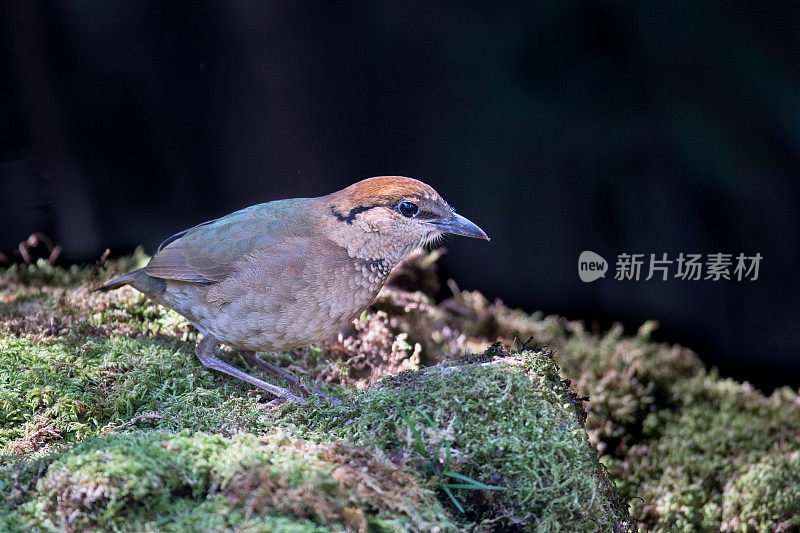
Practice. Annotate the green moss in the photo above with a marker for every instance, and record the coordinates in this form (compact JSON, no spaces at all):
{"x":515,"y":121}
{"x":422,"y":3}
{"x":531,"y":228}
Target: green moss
{"x":766,"y":495}
{"x":627,"y":378}
{"x":162,"y":481}
{"x":538,"y":450}
{"x":70,"y":389}
{"x":690,"y":451}
{"x":677,"y":437}
{"x":509,"y":422}
{"x":691,"y":468}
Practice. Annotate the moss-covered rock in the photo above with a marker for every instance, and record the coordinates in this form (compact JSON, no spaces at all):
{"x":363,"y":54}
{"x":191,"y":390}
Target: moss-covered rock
{"x":509,"y":421}
{"x":157,"y":481}
{"x":85,"y":373}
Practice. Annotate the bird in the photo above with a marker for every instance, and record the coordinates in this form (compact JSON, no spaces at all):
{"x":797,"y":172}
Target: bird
{"x":287,"y":273}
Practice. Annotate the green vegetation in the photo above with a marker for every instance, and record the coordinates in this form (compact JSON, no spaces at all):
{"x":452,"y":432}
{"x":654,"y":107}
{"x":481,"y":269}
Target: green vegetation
{"x":67,"y":390}
{"x":506,"y":420}
{"x":108,"y":421}
{"x":433,"y":467}
{"x":154,"y":480}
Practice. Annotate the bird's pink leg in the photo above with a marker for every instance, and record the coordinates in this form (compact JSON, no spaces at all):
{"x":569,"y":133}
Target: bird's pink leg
{"x":256,"y":362}
{"x":205,"y":352}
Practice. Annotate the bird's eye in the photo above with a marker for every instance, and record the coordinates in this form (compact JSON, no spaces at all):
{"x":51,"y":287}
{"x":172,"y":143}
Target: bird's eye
{"x":408,"y":209}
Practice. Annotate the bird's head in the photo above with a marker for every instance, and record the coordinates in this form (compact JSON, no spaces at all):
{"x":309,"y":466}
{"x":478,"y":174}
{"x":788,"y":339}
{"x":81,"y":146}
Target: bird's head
{"x":402,"y":213}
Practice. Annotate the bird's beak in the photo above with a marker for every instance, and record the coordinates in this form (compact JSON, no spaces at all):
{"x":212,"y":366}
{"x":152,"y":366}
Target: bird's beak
{"x":458,"y":225}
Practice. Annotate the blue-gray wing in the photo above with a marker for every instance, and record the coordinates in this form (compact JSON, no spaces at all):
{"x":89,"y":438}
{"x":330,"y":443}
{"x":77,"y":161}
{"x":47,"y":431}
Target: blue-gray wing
{"x":180,"y":234}
{"x":209,"y":252}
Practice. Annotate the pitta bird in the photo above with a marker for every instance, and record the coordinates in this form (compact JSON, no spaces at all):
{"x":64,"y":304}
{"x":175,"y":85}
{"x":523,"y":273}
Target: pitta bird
{"x":284,"y":274}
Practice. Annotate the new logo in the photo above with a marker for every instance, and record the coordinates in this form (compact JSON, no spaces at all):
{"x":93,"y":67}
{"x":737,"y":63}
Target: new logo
{"x":591,"y":266}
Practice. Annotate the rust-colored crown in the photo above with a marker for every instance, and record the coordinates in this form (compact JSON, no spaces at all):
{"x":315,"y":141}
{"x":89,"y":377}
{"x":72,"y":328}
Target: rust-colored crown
{"x":386,"y":190}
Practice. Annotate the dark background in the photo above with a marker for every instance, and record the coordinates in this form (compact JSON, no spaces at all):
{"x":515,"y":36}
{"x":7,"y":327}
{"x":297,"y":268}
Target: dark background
{"x":558,"y":126}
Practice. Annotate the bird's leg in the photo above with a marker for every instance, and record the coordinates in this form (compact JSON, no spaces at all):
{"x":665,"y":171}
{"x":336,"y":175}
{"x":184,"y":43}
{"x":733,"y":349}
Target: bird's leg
{"x":205,"y":352}
{"x":256,"y":362}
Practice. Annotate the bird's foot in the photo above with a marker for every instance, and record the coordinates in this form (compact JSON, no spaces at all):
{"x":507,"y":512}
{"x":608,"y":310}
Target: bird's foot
{"x":256,"y":362}
{"x":205,"y":352}
{"x":276,"y":402}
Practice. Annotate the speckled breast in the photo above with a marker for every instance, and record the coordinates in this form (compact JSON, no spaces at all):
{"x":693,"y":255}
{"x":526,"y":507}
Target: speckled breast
{"x":314,"y":304}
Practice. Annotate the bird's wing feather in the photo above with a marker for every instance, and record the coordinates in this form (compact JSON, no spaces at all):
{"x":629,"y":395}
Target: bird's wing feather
{"x":209,"y":253}
{"x":182,"y":233}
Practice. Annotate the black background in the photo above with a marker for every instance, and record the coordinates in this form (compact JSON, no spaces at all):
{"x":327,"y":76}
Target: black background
{"x":558,"y":126}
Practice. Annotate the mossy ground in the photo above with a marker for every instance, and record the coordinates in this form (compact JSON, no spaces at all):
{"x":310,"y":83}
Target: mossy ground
{"x":107,"y":420}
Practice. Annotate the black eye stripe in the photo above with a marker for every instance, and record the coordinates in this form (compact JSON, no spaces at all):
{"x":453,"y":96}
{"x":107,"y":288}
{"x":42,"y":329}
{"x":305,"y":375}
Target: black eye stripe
{"x":349,"y":217}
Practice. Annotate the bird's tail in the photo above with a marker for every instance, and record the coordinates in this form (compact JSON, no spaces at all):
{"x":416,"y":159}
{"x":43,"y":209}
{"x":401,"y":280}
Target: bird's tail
{"x":116,"y":283}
